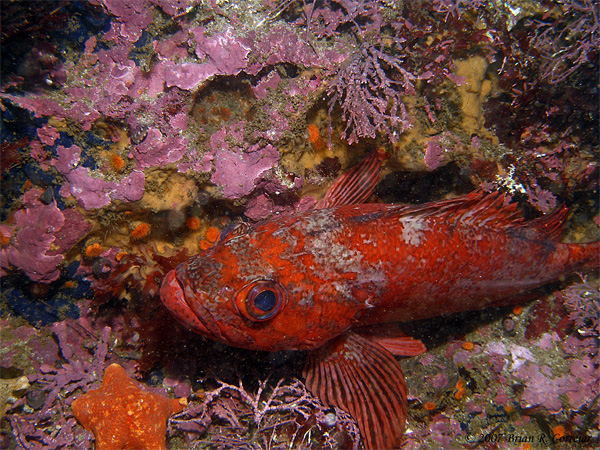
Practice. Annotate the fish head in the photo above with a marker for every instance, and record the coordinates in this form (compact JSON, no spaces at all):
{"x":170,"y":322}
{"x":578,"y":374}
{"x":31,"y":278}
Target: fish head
{"x":247,"y":295}
{"x":276,"y":285}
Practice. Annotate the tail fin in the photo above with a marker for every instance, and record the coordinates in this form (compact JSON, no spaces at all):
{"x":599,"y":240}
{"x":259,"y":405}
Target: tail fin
{"x":584,"y":257}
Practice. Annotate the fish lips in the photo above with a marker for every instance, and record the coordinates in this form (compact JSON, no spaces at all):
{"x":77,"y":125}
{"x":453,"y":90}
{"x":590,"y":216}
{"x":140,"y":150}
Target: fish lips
{"x":187,"y":307}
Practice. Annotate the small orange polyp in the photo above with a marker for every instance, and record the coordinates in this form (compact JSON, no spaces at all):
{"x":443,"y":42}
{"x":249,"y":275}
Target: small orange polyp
{"x":460,"y":389}
{"x":429,"y":406}
{"x":141,"y":231}
{"x":93,"y":250}
{"x":4,"y":240}
{"x":313,"y":133}
{"x":212,"y":233}
{"x":193,"y":223}
{"x":116,"y":162}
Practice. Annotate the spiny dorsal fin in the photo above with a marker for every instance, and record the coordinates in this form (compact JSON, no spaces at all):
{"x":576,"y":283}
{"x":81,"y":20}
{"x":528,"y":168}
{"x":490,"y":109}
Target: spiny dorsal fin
{"x":551,"y":225}
{"x":356,"y":185}
{"x":479,"y":209}
{"x":363,"y":378}
{"x":473,"y":209}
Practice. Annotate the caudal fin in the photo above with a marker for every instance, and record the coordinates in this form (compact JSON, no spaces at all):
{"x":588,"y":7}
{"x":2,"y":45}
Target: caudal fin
{"x":584,"y":257}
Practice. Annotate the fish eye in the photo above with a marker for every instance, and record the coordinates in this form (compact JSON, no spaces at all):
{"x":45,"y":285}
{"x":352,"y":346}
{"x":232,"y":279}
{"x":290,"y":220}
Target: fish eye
{"x":261,"y":300}
{"x":265,"y":300}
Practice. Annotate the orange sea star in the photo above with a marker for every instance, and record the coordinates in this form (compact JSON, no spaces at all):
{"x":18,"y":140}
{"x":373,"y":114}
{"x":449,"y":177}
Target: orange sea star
{"x":122,"y":416}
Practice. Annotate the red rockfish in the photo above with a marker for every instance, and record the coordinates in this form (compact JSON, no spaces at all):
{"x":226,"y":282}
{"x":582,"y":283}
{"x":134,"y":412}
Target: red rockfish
{"x":309,"y":281}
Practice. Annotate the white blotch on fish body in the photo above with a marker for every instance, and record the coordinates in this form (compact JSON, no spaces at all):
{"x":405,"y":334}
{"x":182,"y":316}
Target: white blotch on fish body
{"x":413,"y":230}
{"x":332,"y":255}
{"x":343,"y":289}
{"x":307,"y":298}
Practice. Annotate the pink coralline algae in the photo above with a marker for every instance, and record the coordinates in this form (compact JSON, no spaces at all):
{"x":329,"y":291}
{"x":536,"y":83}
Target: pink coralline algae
{"x":455,"y":7}
{"x":79,"y":370}
{"x":371,"y":102}
{"x":541,"y":199}
{"x":542,"y":388}
{"x":134,"y":16}
{"x":29,"y":250}
{"x":557,"y":388}
{"x":48,"y":135}
{"x":158,"y":150}
{"x":281,"y":44}
{"x":223,"y":51}
{"x":237,"y":170}
{"x":96,"y":193}
{"x":188,"y":75}
{"x":563,"y":55}
{"x":67,"y":158}
{"x":220,"y":54}
{"x":110,"y":82}
{"x":73,"y":230}
{"x":214,"y":92}
{"x":90,"y":191}
{"x":267,"y":84}
{"x":130,"y":188}
{"x":41,"y":106}
{"x":443,"y":430}
{"x":583,"y":301}
{"x":40,"y":231}
{"x":224,"y":407}
{"x":259,"y":208}
{"x":263,"y":205}
{"x":238,"y":166}
{"x":438,"y":150}
{"x":586,"y":374}
{"x":175,"y":7}
{"x":41,"y":349}
{"x":434,"y":154}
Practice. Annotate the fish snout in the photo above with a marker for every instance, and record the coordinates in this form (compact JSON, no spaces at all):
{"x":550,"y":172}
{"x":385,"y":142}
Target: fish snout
{"x":173,"y":296}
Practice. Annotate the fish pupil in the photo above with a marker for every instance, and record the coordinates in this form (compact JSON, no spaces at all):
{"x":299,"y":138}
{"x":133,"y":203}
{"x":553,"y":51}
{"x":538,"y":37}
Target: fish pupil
{"x":266,"y":300}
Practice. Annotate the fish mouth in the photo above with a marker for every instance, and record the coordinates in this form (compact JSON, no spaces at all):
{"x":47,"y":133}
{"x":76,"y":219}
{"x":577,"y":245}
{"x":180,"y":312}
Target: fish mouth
{"x":187,"y":306}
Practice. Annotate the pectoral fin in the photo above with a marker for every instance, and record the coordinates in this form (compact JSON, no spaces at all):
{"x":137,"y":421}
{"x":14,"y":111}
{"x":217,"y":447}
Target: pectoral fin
{"x":393,"y":339}
{"x":402,"y":346}
{"x":363,"y":378}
